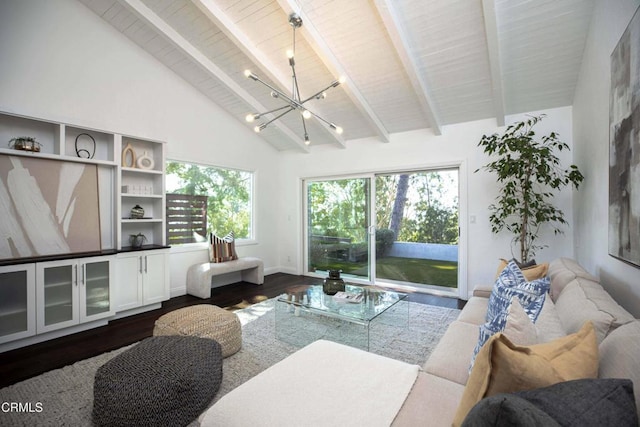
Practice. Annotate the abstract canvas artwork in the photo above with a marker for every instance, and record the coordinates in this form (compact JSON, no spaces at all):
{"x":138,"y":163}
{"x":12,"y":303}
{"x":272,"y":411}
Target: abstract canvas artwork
{"x":48,"y":207}
{"x":624,"y":147}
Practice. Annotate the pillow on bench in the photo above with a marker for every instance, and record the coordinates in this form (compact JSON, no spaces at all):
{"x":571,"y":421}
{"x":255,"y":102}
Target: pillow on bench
{"x":222,"y":249}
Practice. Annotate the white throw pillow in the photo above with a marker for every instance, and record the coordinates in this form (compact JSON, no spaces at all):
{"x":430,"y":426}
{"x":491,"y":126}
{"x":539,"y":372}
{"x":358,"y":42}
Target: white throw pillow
{"x":549,"y":326}
{"x":519,"y":328}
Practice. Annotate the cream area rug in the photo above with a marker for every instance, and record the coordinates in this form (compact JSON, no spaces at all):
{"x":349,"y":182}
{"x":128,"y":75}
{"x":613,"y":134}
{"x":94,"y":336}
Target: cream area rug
{"x":64,"y":397}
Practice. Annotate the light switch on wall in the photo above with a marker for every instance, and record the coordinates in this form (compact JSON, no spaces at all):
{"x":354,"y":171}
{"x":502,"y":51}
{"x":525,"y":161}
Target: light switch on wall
{"x":472,"y":219}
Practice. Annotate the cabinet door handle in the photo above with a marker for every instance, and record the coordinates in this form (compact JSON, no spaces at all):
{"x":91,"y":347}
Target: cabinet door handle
{"x":140,"y":258}
{"x":145,"y":264}
{"x":75,"y":279}
{"x":84,"y":274}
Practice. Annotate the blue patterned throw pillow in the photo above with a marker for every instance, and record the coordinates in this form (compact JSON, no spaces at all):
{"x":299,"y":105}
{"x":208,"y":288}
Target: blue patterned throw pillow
{"x":510,"y":284}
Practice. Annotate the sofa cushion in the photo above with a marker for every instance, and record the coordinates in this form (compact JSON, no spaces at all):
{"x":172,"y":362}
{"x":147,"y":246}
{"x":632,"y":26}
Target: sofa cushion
{"x":450,"y":359}
{"x":483,"y":291}
{"x":474,"y":311}
{"x":503,"y":367}
{"x":432,"y":398}
{"x":620,"y":356}
{"x":601,"y":402}
{"x":584,"y":300}
{"x":564,"y":270}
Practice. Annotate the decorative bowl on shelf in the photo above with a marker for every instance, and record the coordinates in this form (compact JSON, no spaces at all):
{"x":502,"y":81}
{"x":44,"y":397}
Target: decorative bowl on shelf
{"x":25,"y":143}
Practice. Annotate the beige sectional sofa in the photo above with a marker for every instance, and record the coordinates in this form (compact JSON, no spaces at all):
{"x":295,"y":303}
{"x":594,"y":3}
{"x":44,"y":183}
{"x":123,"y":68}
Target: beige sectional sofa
{"x":576,"y":297}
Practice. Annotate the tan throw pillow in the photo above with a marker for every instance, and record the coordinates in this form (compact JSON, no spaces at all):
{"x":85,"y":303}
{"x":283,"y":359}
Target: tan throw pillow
{"x":503,"y":367}
{"x":534,"y":272}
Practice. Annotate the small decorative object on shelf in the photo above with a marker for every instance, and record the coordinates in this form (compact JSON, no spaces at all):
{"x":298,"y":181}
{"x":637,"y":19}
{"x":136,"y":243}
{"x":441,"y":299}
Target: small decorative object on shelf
{"x":25,"y":143}
{"x":84,"y":153}
{"x":138,"y":189}
{"x":145,"y":162}
{"x":128,"y":157}
{"x":333,"y":284}
{"x":137,"y":212}
{"x":137,"y":240}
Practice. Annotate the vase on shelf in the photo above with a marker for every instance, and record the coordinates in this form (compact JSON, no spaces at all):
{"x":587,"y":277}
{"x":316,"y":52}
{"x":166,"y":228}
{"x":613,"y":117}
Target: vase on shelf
{"x":333,"y":283}
{"x":137,"y":212}
{"x":137,"y":240}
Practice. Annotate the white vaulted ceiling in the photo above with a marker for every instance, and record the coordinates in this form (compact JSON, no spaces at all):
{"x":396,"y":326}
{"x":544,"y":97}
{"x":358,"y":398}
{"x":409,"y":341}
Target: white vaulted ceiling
{"x":409,"y":64}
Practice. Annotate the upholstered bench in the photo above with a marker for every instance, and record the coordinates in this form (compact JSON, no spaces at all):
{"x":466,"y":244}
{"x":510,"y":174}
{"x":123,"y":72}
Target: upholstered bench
{"x":199,"y":275}
{"x":162,"y":381}
{"x":204,"y":321}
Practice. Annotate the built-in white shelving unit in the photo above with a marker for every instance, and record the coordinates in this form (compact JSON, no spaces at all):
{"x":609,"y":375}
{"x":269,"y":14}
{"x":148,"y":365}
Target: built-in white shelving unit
{"x":142,"y":184}
{"x":46,"y":296}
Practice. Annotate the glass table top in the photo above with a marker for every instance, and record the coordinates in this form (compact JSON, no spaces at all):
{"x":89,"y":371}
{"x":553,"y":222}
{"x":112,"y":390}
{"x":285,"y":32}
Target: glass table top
{"x":374,"y":301}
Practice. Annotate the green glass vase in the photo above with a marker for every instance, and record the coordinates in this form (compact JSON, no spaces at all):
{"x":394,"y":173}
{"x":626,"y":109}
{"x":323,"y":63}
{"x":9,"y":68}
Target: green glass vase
{"x":333,"y":283}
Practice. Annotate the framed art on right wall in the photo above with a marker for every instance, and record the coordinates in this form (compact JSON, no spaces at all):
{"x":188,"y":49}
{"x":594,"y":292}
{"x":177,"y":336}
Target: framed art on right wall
{"x":624,"y":146}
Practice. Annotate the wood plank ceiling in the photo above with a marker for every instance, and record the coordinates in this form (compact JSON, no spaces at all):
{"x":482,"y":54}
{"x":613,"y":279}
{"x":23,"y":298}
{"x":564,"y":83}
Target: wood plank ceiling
{"x":409,"y":64}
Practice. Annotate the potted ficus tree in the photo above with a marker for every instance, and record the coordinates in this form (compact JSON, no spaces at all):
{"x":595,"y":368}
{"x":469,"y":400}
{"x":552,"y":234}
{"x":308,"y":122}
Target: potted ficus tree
{"x":529,"y":174}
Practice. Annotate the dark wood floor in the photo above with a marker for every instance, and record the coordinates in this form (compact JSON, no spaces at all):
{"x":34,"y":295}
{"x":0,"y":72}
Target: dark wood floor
{"x":27,"y":362}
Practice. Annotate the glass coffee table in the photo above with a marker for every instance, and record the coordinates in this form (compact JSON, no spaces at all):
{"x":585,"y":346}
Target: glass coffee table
{"x":305,"y":314}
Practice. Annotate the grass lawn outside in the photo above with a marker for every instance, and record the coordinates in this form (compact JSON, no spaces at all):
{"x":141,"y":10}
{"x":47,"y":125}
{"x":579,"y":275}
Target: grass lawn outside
{"x":414,"y":270}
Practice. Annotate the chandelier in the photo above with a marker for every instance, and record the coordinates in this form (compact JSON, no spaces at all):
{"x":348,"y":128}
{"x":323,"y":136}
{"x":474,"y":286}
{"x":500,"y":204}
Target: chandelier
{"x":295,"y":101}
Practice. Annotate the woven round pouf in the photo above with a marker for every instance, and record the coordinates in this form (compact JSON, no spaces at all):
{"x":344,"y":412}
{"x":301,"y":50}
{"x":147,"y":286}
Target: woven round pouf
{"x":162,"y":381}
{"x":204,"y":321}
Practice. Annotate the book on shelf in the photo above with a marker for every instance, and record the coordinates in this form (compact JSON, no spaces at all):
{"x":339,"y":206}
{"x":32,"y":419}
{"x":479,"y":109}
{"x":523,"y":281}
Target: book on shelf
{"x":349,"y":297}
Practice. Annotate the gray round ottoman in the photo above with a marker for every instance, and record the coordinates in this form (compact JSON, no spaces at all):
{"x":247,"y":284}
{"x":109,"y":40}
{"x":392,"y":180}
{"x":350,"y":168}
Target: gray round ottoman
{"x":167,"y":381}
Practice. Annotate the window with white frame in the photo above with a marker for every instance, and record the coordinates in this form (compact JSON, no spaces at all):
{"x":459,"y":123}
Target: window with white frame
{"x":206,"y":199}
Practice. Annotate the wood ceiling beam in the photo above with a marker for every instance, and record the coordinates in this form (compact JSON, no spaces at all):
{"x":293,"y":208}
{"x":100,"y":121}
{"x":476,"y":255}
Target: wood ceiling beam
{"x":146,"y":15}
{"x":493,"y":47}
{"x":221,"y":20}
{"x":393,"y":25}
{"x":327,"y":56}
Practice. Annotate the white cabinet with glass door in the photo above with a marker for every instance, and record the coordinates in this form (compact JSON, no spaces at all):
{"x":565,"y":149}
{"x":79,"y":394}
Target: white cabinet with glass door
{"x":143,"y":279}
{"x":70,"y":292}
{"x":17,"y":302}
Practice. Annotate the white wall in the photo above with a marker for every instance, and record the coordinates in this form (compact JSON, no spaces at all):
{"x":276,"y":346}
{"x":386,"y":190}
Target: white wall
{"x":421,"y":149}
{"x":591,"y":133}
{"x":60,"y":61}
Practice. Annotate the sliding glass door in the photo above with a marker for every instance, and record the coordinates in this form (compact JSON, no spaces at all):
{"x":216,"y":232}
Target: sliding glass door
{"x":399,"y":228}
{"x":338,"y":222}
{"x":417,"y":228}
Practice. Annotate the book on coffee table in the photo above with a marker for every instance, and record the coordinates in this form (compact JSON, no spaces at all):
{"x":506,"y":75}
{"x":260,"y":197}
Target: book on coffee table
{"x":348,"y":297}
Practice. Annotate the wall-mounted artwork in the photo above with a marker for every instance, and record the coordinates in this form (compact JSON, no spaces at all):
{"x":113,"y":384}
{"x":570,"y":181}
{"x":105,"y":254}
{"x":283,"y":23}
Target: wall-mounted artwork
{"x":624,"y":147}
{"x":47,"y":207}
